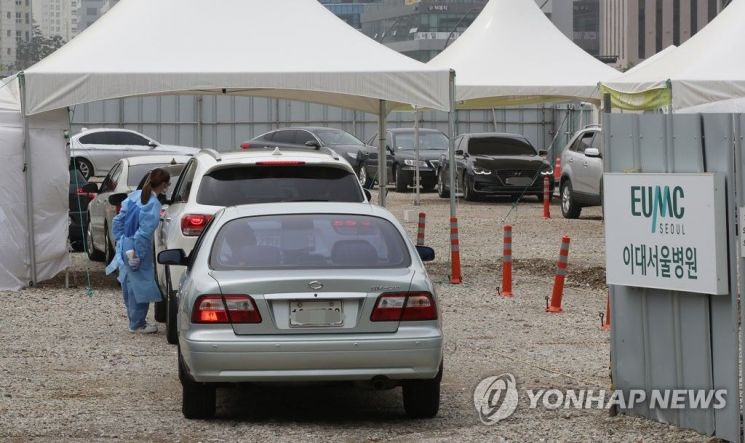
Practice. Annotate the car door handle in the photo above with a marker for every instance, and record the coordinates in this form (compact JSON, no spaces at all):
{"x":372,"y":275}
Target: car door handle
{"x":165,"y":219}
{"x":586,"y":164}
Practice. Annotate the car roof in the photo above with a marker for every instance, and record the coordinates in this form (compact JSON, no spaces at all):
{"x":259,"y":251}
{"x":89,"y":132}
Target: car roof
{"x":155,"y":159}
{"x":402,"y":130}
{"x":250,"y":156}
{"x":259,"y":209}
{"x":307,"y":128}
{"x":495,"y":134}
{"x":85,"y":131}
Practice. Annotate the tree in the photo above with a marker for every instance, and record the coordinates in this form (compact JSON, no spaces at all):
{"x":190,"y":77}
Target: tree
{"x":34,"y":50}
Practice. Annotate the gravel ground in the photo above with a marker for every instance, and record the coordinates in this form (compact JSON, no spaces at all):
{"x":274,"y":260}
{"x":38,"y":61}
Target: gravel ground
{"x":70,"y":371}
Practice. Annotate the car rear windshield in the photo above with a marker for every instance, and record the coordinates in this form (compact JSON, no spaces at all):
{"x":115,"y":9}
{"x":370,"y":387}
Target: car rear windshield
{"x":242,"y":185}
{"x":137,"y":172}
{"x":309,"y":241}
{"x":499,"y":146}
{"x":427,"y":140}
{"x":333,"y":137}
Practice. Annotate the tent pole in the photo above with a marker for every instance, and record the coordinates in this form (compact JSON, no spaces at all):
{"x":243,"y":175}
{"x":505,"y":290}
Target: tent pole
{"x":29,"y":181}
{"x":417,"y":199}
{"x":451,"y":143}
{"x":382,"y":163}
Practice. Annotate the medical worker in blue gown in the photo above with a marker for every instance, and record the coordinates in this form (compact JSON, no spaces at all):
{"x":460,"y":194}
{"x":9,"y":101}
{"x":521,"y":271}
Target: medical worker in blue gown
{"x":133,"y":228}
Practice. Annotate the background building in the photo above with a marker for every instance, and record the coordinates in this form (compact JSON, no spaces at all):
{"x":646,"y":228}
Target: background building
{"x":88,"y":12}
{"x":15,"y":26}
{"x":56,"y":17}
{"x":349,"y":10}
{"x":633,"y":30}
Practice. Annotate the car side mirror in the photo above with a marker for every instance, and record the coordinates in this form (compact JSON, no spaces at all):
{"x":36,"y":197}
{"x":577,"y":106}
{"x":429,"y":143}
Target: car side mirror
{"x":459,"y":152}
{"x":592,"y":152}
{"x":389,"y":149}
{"x":426,"y":253}
{"x":90,"y":188}
{"x":543,"y":153}
{"x":313,"y":144}
{"x":117,"y":199}
{"x":152,"y":144}
{"x":174,"y":257}
{"x":368,"y":196}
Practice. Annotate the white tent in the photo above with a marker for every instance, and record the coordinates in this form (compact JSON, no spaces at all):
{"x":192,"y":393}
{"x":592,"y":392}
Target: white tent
{"x":513,"y":54}
{"x":290,"y":49}
{"x":708,"y":67}
{"x":50,"y":195}
{"x":653,"y":59}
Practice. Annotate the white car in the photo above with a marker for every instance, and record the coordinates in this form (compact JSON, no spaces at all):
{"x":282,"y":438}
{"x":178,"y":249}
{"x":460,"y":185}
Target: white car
{"x":211,"y":181}
{"x":123,"y":178}
{"x":94,"y":151}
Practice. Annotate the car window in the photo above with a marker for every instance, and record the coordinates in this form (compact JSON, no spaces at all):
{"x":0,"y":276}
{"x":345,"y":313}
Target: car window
{"x":500,"y":146}
{"x":597,"y":142}
{"x":309,"y":241}
{"x":137,"y":173}
{"x":174,"y":171}
{"x":284,"y":137}
{"x":100,"y":138}
{"x":427,"y":140}
{"x":301,"y":137}
{"x":266,"y":137}
{"x":76,"y":178}
{"x":183,"y":187}
{"x":583,"y":142}
{"x":130,"y":138}
{"x":109,"y":183}
{"x":238,"y":185}
{"x":198,"y":245}
{"x":332,"y":137}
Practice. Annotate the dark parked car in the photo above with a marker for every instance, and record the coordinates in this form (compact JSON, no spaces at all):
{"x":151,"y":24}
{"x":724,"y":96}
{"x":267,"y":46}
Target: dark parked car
{"x":401,"y":158}
{"x":494,"y":164}
{"x":80,"y":193}
{"x":344,"y":143}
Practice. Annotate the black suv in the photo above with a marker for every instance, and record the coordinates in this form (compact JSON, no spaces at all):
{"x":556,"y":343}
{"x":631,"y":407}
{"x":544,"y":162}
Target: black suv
{"x":401,"y":158}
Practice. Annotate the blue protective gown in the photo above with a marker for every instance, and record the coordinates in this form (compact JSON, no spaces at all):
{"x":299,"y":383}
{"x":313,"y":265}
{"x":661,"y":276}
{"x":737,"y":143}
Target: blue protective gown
{"x":138,"y":236}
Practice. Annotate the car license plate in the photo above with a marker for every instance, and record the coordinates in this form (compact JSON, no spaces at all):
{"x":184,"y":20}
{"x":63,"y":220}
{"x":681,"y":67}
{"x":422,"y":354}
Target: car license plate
{"x":308,"y":313}
{"x":519,"y":181}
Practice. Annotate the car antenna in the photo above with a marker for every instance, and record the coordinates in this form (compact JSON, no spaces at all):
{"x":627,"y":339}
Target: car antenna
{"x":173,"y":161}
{"x":276,"y":151}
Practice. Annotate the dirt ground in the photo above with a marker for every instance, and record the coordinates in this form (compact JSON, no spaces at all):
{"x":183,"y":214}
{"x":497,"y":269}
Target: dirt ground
{"x":70,"y":371}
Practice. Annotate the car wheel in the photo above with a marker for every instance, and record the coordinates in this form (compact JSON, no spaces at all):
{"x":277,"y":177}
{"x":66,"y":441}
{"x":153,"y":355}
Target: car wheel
{"x":171,"y":312}
{"x":441,"y":191}
{"x":84,"y":166}
{"x":422,"y":397}
{"x":366,"y":181}
{"x":468,"y":193}
{"x":93,"y":253}
{"x":402,"y":185}
{"x":198,"y":399}
{"x":569,"y":207}
{"x":108,"y":247}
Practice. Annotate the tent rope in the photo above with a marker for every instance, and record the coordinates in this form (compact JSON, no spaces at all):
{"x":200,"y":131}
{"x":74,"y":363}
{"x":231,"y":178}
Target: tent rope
{"x":89,"y":287}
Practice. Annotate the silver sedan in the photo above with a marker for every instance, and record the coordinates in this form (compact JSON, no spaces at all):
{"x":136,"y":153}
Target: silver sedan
{"x":307,"y":292}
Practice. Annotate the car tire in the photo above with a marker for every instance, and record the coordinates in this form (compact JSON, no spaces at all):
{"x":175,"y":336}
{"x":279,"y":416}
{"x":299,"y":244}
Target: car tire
{"x":85,"y":167}
{"x":93,"y":253}
{"x":569,"y":206}
{"x":171,"y":312}
{"x":197,"y":399}
{"x":422,"y":397}
{"x":402,"y":185}
{"x":429,"y":186}
{"x":468,"y":194}
{"x":365,"y":181}
{"x":441,"y":191}
{"x":109,"y":250}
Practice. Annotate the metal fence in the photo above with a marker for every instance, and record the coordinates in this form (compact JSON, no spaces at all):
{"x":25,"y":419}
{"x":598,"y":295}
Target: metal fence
{"x":665,"y":339}
{"x":223,"y":122}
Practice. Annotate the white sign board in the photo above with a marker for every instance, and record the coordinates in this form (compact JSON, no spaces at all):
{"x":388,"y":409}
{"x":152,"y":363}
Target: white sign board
{"x":666,"y":231}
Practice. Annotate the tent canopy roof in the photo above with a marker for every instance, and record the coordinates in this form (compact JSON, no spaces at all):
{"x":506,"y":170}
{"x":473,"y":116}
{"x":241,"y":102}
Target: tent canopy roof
{"x":708,"y":67}
{"x":293,"y":49}
{"x":513,"y":54}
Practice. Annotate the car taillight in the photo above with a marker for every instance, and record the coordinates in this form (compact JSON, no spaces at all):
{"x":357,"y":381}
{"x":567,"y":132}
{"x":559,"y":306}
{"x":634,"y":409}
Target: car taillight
{"x":280,"y":163}
{"x":193,"y":224}
{"x":404,"y":306}
{"x":221,"y":309}
{"x":81,"y":193}
{"x":245,"y":145}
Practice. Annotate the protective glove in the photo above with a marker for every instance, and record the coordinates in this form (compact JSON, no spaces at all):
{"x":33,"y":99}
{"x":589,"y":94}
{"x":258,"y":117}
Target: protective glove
{"x":134,"y":263}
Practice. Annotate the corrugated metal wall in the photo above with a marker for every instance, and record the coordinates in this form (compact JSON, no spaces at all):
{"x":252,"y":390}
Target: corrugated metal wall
{"x":223,"y":122}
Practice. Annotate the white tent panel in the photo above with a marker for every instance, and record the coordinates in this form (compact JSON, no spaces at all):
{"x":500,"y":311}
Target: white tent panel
{"x":513,"y":54}
{"x":708,"y":67}
{"x":653,"y":59}
{"x":50,"y":177}
{"x":295,"y":49}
